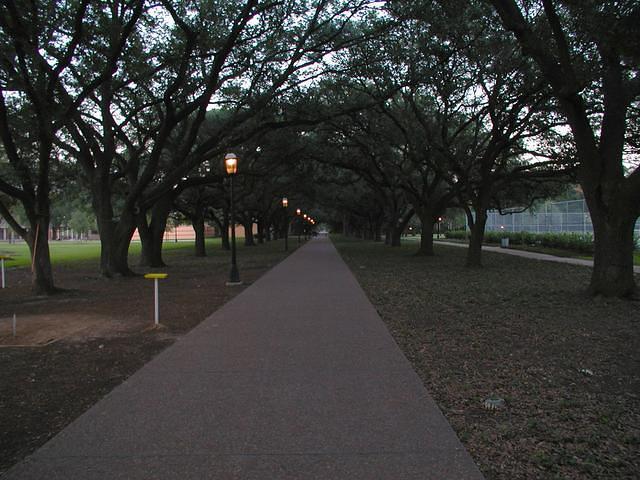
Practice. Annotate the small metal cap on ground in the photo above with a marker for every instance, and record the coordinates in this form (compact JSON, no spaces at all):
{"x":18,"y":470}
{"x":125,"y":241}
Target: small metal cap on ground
{"x":493,"y":403}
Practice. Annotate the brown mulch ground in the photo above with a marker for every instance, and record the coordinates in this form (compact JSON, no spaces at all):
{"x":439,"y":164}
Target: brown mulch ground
{"x":43,"y":388}
{"x":567,"y":365}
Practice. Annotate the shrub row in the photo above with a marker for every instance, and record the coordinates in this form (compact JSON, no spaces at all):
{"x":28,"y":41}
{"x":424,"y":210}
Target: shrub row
{"x":575,"y":242}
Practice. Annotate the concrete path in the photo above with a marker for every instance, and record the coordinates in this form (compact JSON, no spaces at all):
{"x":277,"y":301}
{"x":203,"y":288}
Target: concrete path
{"x":532,"y":255}
{"x":295,"y":378}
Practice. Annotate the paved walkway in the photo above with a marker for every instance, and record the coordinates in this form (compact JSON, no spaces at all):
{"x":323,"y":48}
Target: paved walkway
{"x":295,"y":378}
{"x":532,"y":255}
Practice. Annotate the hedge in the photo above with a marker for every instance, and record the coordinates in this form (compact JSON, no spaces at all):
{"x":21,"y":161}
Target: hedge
{"x":576,"y":242}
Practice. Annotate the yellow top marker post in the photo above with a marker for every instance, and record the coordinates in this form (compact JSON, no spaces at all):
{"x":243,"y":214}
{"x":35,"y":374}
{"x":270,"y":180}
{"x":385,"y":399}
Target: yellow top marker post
{"x":156,"y":275}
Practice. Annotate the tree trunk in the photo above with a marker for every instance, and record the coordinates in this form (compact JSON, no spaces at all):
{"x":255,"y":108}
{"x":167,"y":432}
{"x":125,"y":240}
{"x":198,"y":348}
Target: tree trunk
{"x":223,"y":226}
{"x":146,"y":242}
{"x":248,"y":234}
{"x":38,"y":241}
{"x":106,"y":230}
{"x":390,"y":228}
{"x":474,"y":253}
{"x":152,"y":239}
{"x":115,"y":236}
{"x":613,"y":256}
{"x":152,"y":256}
{"x":427,"y":218}
{"x":377,"y":236}
{"x":198,"y":227}
{"x":261,"y":234}
{"x":367,"y":232}
{"x":399,"y":227}
{"x":345,"y":225}
{"x":119,"y":262}
{"x":396,"y":236}
{"x":224,"y":232}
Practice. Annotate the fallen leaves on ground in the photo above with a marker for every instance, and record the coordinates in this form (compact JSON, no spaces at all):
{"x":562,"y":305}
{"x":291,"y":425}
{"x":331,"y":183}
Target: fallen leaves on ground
{"x":524,"y":331}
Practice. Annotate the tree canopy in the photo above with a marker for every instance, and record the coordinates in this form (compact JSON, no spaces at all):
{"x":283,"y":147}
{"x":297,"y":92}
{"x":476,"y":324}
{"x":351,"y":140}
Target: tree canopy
{"x":371,"y":112}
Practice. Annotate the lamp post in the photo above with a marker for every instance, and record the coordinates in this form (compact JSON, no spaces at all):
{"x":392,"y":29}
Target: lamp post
{"x":439,"y":220}
{"x":306,"y":219}
{"x":298,"y":213}
{"x":231,"y":165}
{"x":285,"y":204}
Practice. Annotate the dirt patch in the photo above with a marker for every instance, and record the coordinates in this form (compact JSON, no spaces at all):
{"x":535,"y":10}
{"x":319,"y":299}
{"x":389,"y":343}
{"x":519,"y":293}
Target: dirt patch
{"x":83,"y":342}
{"x":567,"y":365}
{"x":39,"y":330}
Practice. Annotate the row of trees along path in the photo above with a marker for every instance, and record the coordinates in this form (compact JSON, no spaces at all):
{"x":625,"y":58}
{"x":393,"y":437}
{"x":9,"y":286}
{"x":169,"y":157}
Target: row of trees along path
{"x":378,"y":111}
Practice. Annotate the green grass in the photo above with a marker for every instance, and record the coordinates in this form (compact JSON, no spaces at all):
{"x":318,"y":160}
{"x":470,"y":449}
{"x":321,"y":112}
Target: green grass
{"x":564,"y":253}
{"x":66,"y":252}
{"x":558,"y":252}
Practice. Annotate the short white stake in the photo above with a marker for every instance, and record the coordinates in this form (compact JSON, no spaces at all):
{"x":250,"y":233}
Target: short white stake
{"x":156,"y":295}
{"x":157,"y":302}
{"x":13,"y":325}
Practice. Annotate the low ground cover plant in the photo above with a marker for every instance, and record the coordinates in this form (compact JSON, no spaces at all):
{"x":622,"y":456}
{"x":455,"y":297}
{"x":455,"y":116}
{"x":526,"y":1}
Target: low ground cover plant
{"x":575,"y":242}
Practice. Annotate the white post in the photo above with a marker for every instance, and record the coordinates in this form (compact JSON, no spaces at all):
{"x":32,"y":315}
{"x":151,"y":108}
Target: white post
{"x":2,"y":262}
{"x":157,"y":307}
{"x":13,"y":325}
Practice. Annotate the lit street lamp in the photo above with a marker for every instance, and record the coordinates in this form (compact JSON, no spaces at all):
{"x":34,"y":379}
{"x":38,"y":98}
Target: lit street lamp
{"x":285,"y":204}
{"x":298,"y":213}
{"x":306,"y":219}
{"x":231,"y":165}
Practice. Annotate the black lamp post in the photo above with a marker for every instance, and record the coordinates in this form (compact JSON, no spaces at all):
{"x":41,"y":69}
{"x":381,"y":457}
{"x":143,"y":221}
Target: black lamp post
{"x":285,"y":204}
{"x":231,"y":165}
{"x":439,"y":220}
{"x":305,"y":217}
{"x":298,"y":213}
{"x":304,"y":225}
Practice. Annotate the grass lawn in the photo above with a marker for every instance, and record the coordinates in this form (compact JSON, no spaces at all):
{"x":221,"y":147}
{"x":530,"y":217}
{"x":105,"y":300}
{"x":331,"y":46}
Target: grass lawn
{"x":567,"y":365}
{"x":549,"y":251}
{"x":562,"y":253}
{"x":65,"y":252}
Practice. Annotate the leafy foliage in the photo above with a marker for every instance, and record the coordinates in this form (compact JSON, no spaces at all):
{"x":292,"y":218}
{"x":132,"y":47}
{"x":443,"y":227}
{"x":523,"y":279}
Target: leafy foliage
{"x":576,"y":242}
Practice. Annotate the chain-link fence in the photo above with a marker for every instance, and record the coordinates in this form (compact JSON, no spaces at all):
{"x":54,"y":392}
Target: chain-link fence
{"x":568,"y":216}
